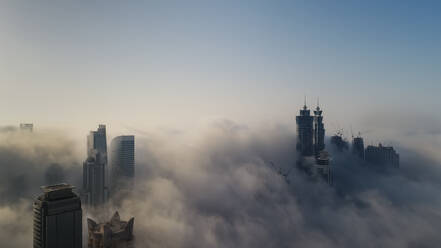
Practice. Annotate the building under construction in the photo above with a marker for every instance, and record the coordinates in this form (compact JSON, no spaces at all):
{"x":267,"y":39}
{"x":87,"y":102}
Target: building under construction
{"x":112,"y":234}
{"x":339,"y":142}
{"x":358,"y":147}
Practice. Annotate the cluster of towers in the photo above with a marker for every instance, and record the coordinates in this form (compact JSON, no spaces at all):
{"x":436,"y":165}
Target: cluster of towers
{"x":311,"y":143}
{"x":96,"y":176}
{"x":58,"y":212}
{"x":58,"y":222}
{"x":381,"y":156}
{"x":310,"y":132}
{"x":385,"y":156}
{"x":315,"y":160}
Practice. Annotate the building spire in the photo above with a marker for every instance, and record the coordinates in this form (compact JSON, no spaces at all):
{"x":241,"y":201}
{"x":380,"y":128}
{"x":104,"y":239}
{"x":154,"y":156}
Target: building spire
{"x":317,"y":110}
{"x":304,"y":106}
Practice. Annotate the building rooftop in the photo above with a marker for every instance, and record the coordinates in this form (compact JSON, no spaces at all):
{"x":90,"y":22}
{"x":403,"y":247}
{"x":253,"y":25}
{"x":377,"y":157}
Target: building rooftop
{"x":125,"y":137}
{"x":56,"y":187}
{"x":115,"y":233}
{"x":57,"y":191}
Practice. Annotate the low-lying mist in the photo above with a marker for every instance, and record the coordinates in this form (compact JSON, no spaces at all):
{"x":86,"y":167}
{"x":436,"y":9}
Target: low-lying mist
{"x":216,"y":188}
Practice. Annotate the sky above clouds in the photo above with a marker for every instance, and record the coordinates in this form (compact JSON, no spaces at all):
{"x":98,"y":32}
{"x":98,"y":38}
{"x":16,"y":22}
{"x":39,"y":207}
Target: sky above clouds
{"x":177,"y":63}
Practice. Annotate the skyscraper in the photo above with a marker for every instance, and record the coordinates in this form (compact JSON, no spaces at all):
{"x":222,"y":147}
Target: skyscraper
{"x":95,"y":179}
{"x":382,"y":155}
{"x":339,"y":142}
{"x":57,"y":218}
{"x":122,"y":159}
{"x":311,"y":142}
{"x":323,"y":167}
{"x":96,"y":141}
{"x":305,"y":144}
{"x":358,"y":147}
{"x":319,"y":131}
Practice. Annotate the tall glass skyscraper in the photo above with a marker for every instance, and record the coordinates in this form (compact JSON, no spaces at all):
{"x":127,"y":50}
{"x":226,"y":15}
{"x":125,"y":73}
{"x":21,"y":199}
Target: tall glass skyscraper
{"x":305,"y":132}
{"x":95,"y":179}
{"x":58,"y":218}
{"x":122,"y":161}
{"x":97,"y":142}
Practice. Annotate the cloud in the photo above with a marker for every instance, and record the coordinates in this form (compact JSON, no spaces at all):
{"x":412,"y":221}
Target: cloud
{"x":215,"y":188}
{"x":16,"y":225}
{"x":29,"y":160}
{"x":220,"y":192}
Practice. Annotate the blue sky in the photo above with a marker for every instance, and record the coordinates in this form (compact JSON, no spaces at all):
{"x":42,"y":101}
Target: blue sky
{"x":175,"y":63}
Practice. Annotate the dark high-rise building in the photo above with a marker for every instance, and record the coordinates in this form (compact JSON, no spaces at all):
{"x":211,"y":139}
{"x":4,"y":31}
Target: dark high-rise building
{"x":382,"y":155}
{"x":122,"y":159}
{"x":58,"y":218}
{"x":339,"y":142}
{"x":310,"y":142}
{"x":319,"y":131}
{"x":97,"y":142}
{"x":358,"y":147}
{"x":305,"y":139}
{"x":94,"y":177}
{"x":323,"y":167}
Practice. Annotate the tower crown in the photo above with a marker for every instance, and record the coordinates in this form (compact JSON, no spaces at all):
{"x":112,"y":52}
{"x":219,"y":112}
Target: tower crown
{"x":317,"y":110}
{"x":305,"y":111}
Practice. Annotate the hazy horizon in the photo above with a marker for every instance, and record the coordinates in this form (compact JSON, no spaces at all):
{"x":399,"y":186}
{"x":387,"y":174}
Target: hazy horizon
{"x":154,"y":63}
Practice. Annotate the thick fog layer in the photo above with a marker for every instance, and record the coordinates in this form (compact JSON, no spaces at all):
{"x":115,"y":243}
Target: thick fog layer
{"x":220,"y":187}
{"x":28,"y":161}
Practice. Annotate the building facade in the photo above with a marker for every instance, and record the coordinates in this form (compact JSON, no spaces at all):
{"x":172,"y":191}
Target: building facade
{"x":314,"y":159}
{"x":94,"y":177}
{"x":319,"y":131}
{"x":112,"y":234}
{"x":57,"y":218}
{"x":358,"y":147}
{"x":97,"y":142}
{"x":305,"y":133}
{"x":382,"y":155}
{"x":339,"y":142}
{"x":323,"y":167}
{"x":95,"y":172}
{"x":122,"y":161}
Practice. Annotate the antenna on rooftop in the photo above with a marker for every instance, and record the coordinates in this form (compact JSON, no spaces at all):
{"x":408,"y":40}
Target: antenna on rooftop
{"x":352,"y":133}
